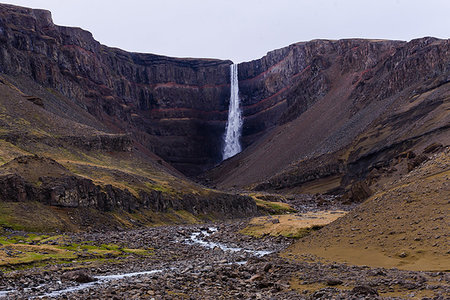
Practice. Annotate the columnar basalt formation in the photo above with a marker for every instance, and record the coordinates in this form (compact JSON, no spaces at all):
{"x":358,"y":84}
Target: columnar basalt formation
{"x":20,"y":181}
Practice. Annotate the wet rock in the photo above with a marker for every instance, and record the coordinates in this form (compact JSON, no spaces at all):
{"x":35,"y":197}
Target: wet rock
{"x":79,"y":276}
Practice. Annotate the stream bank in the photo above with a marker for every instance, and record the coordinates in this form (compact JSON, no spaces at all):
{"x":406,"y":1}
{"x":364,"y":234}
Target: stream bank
{"x":181,"y":268}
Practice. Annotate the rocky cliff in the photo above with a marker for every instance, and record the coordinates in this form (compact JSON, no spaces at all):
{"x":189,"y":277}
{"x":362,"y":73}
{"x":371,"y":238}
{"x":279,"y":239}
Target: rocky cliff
{"x":286,"y":82}
{"x":338,"y":109}
{"x":41,"y":179}
{"x":177,"y":108}
{"x":308,"y":100}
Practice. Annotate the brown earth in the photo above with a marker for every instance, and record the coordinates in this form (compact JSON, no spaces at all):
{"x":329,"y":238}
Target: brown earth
{"x":403,"y":225}
{"x":291,"y":225}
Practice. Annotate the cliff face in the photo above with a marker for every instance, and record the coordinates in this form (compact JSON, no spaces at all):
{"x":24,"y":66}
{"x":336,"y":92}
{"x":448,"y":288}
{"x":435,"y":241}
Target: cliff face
{"x":341,"y":109}
{"x":21,"y":181}
{"x":283,"y":84}
{"x":177,"y":108}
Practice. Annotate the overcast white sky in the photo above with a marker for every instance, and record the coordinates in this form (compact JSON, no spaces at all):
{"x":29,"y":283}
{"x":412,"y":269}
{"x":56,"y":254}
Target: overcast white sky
{"x":243,"y":30}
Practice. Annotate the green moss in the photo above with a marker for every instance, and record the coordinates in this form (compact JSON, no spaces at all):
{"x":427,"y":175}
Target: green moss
{"x":29,"y":216}
{"x":31,"y":250}
{"x":140,"y":252}
{"x":159,"y":187}
{"x":187,"y":216}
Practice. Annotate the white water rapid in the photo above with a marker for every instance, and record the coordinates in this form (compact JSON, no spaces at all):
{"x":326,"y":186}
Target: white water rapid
{"x":234,"y":123}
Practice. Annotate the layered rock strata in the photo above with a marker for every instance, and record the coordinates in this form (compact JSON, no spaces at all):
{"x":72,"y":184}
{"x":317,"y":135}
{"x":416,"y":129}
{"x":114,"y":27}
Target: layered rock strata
{"x":65,"y":189}
{"x":177,"y":108}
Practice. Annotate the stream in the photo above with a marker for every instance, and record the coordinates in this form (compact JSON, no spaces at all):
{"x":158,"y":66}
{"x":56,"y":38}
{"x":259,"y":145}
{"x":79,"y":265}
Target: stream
{"x":195,"y":238}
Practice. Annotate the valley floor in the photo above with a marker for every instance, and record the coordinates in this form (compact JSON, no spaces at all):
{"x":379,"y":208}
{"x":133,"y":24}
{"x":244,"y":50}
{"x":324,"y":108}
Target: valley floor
{"x":212,"y":261}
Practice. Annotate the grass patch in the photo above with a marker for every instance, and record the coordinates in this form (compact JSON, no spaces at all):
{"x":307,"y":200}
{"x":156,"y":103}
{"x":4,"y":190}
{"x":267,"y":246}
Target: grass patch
{"x":302,"y":232}
{"x":187,"y":216}
{"x":273,"y":208}
{"x":29,"y":250}
{"x":30,"y":216}
{"x":293,"y":226}
{"x":9,"y":151}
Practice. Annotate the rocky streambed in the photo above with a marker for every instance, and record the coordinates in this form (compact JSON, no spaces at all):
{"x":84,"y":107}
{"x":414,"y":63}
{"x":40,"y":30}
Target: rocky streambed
{"x":211,"y":262}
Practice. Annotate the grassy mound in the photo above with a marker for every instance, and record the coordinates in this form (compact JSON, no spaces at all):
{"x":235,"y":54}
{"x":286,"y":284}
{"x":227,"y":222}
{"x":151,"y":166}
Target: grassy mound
{"x":295,"y":226}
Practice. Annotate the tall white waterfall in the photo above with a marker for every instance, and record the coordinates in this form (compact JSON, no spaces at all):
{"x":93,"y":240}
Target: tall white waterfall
{"x":234,"y":123}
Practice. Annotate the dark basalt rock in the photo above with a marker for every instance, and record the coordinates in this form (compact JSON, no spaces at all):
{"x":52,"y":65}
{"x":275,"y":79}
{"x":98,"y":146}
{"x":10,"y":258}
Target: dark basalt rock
{"x":14,"y":188}
{"x":79,"y":276}
{"x":329,"y":97}
{"x":101,"y":142}
{"x":74,"y":192}
{"x":177,"y":108}
{"x":358,"y":192}
{"x":364,"y":290}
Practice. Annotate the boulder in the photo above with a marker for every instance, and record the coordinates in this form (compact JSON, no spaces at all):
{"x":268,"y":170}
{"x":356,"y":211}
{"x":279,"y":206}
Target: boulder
{"x":80,"y":276}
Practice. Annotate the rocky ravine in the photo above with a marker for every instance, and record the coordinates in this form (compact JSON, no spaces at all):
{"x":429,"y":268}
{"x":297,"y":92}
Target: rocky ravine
{"x":177,"y":108}
{"x":211,"y":273}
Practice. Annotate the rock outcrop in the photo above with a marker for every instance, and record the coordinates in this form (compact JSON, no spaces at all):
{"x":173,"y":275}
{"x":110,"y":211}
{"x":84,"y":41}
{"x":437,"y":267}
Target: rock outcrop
{"x":65,"y":189}
{"x":309,"y":99}
{"x":338,"y":108}
{"x":177,"y":108}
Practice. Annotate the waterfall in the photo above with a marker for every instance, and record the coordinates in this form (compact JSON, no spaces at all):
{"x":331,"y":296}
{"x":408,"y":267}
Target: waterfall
{"x":234,"y":123}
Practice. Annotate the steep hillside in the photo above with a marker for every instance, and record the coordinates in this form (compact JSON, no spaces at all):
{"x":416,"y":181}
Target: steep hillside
{"x":88,"y":175}
{"x":177,"y":108}
{"x":404,"y":225}
{"x":122,"y":128}
{"x":357,"y":106}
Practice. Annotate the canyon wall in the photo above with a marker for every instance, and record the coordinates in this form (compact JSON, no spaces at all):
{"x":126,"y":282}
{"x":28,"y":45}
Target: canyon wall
{"x":286,"y":82}
{"x":341,"y":107}
{"x":177,"y":108}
